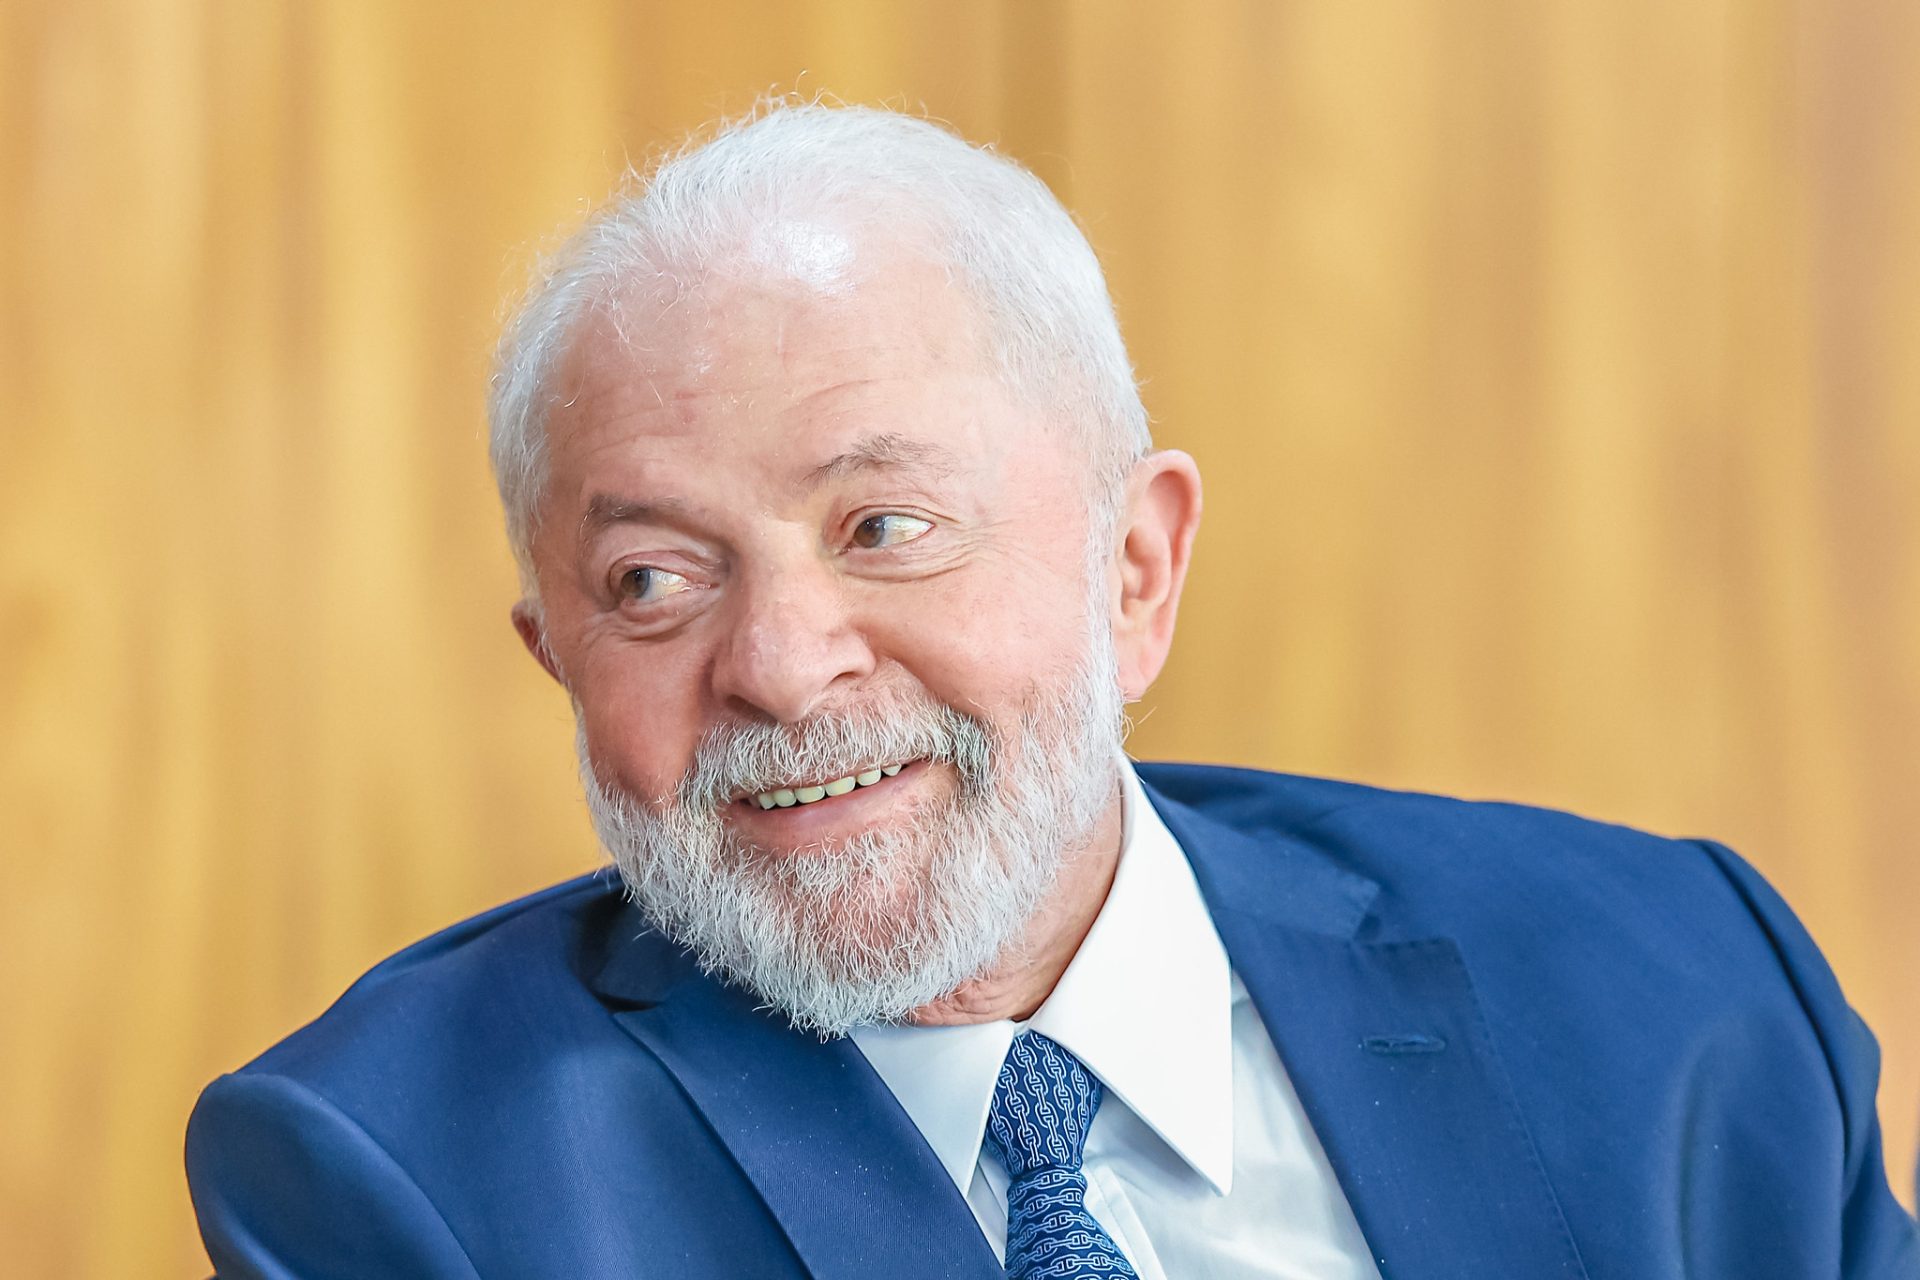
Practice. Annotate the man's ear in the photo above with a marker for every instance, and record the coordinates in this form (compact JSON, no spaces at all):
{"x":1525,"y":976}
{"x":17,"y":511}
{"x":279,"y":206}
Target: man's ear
{"x":533,"y":634}
{"x":1155,"y":544}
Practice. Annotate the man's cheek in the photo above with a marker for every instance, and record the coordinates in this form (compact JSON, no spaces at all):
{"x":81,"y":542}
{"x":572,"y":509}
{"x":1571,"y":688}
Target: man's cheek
{"x":644,"y":760}
{"x":643,"y":707}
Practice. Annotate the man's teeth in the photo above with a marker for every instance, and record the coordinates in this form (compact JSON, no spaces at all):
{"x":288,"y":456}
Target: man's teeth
{"x":787,"y":797}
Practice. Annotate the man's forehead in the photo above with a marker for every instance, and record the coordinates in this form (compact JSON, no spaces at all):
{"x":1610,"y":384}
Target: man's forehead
{"x":748,"y":415}
{"x":741,"y":334}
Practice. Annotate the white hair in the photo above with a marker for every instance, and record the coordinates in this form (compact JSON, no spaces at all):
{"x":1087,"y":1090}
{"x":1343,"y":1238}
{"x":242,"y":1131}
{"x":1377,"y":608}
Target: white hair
{"x":1002,"y":236}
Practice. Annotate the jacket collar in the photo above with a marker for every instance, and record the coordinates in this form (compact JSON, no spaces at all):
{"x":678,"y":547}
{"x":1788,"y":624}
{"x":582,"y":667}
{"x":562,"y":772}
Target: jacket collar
{"x":1273,"y":877}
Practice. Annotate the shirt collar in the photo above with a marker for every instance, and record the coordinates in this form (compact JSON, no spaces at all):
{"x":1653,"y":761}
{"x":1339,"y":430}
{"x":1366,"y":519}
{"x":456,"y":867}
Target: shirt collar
{"x":1146,"y":1003}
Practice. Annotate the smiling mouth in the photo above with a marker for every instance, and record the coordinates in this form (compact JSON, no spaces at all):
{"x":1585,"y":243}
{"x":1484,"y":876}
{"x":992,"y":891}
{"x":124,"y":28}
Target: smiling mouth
{"x":814,"y":792}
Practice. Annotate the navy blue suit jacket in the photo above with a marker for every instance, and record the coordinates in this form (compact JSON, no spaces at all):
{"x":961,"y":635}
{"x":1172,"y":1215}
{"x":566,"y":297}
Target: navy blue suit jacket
{"x":1532,"y":1046}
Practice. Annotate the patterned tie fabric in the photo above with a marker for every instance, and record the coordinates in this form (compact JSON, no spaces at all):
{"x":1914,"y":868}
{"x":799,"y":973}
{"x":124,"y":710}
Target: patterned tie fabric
{"x":1042,"y":1109}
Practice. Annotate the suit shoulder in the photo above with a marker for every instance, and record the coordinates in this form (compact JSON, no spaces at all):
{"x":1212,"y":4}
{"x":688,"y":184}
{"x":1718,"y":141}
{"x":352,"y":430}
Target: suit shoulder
{"x":1443,"y":862}
{"x":1258,"y":798}
{"x":464,"y":985}
{"x":1544,"y":904}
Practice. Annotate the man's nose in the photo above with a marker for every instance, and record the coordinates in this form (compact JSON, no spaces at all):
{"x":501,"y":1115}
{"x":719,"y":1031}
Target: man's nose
{"x":793,"y":638}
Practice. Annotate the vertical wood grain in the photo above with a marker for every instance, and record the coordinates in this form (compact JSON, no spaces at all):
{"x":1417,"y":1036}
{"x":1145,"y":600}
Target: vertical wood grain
{"x":1553,"y":368}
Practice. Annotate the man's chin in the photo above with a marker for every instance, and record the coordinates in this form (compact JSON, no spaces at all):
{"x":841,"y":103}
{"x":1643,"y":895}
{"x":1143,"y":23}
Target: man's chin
{"x":863,"y":921}
{"x":831,"y":973}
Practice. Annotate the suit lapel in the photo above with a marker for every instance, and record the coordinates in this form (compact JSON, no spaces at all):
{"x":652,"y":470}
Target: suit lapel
{"x":1387,"y":1048}
{"x":852,"y":1183}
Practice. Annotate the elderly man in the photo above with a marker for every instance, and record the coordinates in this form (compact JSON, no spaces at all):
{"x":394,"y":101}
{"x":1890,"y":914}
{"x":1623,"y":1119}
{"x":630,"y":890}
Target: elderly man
{"x":840,"y":525}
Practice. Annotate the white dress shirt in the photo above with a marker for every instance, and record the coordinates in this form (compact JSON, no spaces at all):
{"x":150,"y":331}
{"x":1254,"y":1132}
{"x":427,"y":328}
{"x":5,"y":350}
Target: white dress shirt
{"x":1200,"y":1162}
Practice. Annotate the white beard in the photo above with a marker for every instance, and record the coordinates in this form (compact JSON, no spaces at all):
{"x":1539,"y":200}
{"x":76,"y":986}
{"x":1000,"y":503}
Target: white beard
{"x":865,"y":930}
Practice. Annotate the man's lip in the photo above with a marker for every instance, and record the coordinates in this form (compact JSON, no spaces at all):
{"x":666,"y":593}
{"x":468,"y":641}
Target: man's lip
{"x":797,"y":826}
{"x":819,"y":827}
{"x":747,"y":797}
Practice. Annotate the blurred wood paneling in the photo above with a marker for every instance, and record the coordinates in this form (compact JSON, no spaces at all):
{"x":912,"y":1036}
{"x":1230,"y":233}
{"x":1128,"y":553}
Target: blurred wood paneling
{"x":1555,"y":367}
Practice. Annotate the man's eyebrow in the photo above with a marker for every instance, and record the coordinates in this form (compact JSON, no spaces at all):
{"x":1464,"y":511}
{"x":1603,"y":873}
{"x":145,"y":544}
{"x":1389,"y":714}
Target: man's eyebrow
{"x":605,"y":510}
{"x":888,"y":449}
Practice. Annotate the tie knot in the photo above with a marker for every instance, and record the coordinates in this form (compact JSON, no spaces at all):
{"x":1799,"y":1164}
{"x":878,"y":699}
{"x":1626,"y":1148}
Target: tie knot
{"x":1043,"y":1106}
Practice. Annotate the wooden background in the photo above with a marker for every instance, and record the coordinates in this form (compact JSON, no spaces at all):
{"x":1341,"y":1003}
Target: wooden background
{"x":1555,"y":369}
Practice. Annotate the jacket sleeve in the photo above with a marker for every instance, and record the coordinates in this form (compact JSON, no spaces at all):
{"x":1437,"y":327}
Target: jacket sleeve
{"x":1878,"y":1239}
{"x":285,"y":1185}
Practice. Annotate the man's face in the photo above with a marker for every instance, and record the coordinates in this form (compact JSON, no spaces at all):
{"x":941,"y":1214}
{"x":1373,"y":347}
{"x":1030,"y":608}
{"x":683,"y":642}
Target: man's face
{"x":796,"y":536}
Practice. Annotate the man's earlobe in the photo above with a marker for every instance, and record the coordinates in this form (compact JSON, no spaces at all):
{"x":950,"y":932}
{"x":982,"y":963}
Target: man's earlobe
{"x":1156,"y":544}
{"x":533,"y":634}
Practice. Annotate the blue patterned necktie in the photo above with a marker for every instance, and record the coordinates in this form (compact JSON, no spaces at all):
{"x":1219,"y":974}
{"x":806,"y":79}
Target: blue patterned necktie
{"x":1043,"y":1106}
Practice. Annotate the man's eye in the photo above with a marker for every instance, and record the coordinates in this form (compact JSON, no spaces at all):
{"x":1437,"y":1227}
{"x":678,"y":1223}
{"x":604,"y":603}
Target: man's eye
{"x":888,"y":530}
{"x":647,"y":584}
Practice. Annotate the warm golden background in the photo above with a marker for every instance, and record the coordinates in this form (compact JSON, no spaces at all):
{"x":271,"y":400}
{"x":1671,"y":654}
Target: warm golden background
{"x":1555,"y":368}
